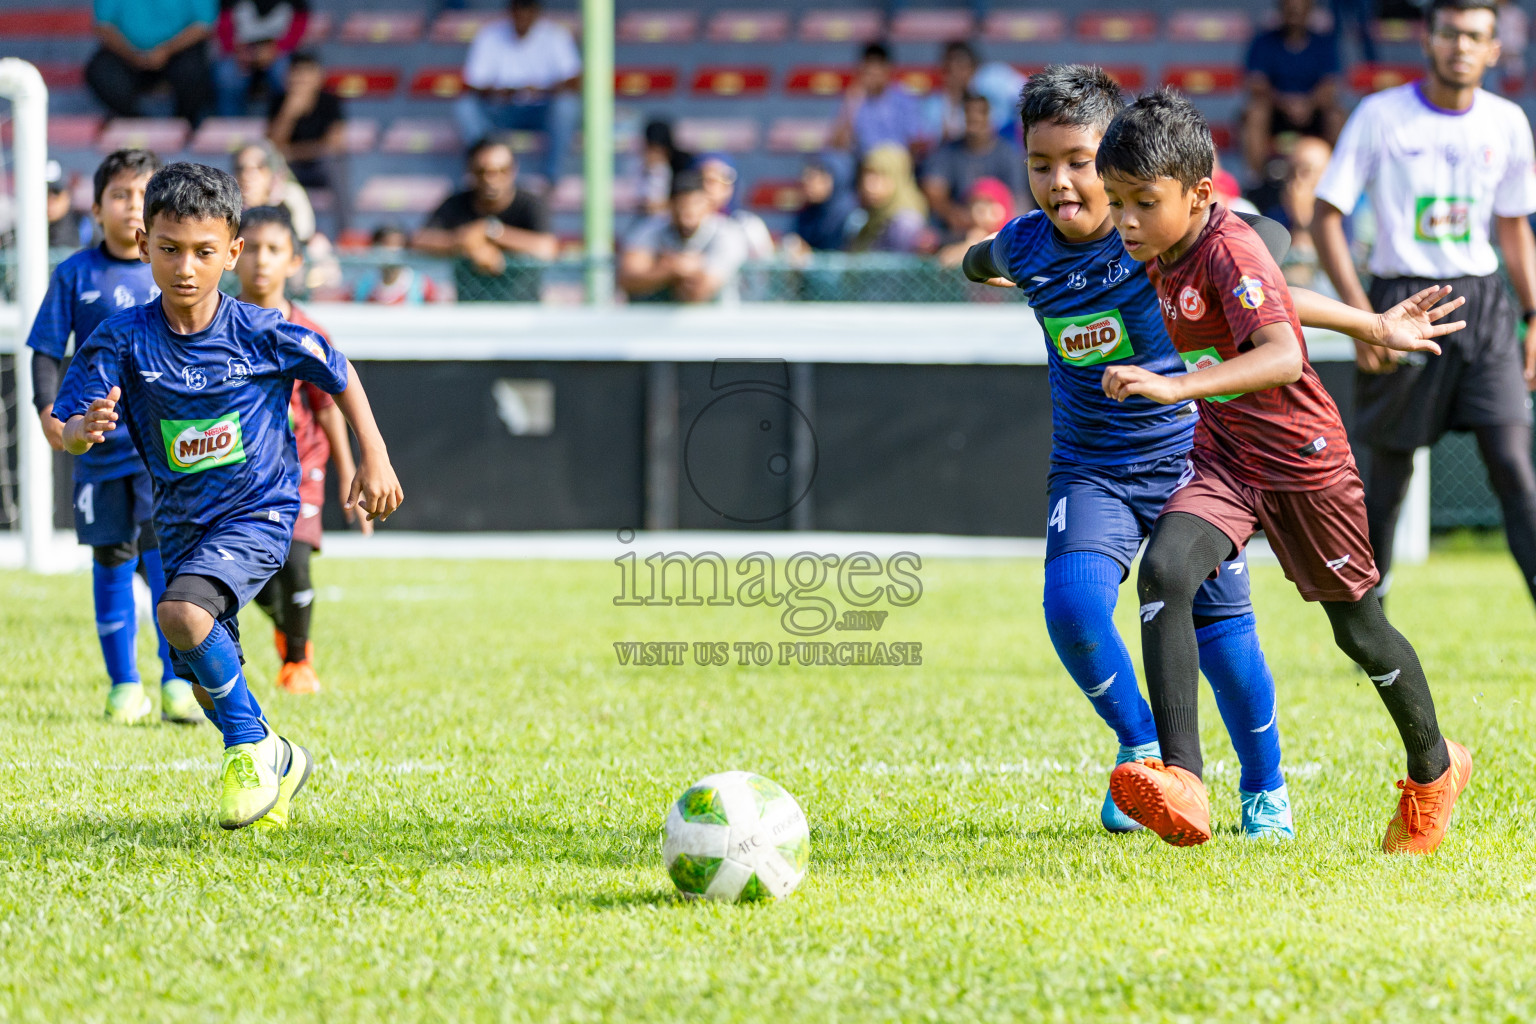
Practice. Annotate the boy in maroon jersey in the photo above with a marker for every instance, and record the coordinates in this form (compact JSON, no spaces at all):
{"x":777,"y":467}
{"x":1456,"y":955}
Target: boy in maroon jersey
{"x":1270,"y":453}
{"x":270,"y":258}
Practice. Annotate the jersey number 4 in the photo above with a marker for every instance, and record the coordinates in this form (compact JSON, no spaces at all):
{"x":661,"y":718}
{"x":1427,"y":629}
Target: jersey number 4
{"x":1058,"y":517}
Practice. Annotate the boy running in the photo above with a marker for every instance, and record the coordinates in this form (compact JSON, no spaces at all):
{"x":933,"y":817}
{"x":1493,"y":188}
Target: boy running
{"x":269,"y":259}
{"x":1112,"y":465}
{"x":1270,"y":453}
{"x":207,"y":381}
{"x":112,"y":491}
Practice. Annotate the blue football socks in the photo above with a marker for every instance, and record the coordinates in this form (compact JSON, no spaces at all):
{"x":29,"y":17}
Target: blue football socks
{"x":1081,"y":588}
{"x":116,"y":619}
{"x":154,"y":572}
{"x":1245,"y":695}
{"x":216,"y":663}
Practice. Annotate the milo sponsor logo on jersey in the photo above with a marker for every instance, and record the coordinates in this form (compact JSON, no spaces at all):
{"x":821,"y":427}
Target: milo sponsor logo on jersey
{"x":1200,"y":359}
{"x":1091,"y":338}
{"x":1442,"y":219}
{"x":191,"y":446}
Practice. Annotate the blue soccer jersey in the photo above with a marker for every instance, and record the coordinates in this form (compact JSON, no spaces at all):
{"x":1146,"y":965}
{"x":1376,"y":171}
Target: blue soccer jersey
{"x":1097,"y":306}
{"x":208,"y":410}
{"x":86,"y":289}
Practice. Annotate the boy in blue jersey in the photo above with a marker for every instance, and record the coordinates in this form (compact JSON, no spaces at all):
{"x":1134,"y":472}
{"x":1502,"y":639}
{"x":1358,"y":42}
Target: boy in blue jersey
{"x":111,"y":490}
{"x":1113,"y":465}
{"x":205,"y":382}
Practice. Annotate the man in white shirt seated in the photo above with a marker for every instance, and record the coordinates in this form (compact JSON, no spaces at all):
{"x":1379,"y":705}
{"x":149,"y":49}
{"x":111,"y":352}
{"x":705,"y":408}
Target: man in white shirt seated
{"x":523,"y":74}
{"x":691,"y":254}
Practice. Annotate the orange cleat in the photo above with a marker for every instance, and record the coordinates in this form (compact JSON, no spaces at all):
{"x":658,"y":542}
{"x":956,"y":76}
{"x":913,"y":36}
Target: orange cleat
{"x":298,"y":677}
{"x":1424,"y":809}
{"x":280,"y":641}
{"x":1167,"y":799}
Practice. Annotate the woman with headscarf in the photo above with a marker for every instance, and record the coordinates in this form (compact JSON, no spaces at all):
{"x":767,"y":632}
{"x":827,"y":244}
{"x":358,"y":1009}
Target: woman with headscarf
{"x":720,"y":185}
{"x":822,"y":223}
{"x":896,"y":214}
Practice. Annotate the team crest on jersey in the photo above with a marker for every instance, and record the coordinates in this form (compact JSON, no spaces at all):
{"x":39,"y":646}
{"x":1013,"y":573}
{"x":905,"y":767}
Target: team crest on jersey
{"x":239,"y":373}
{"x":1115,"y":271}
{"x":1077,"y":280}
{"x":194,"y":377}
{"x":122,"y":297}
{"x":1191,"y":304}
{"x":1249,"y":292}
{"x":311,"y":345}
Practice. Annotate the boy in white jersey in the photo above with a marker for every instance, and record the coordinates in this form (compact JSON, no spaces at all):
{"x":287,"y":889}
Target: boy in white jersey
{"x":1448,"y":170}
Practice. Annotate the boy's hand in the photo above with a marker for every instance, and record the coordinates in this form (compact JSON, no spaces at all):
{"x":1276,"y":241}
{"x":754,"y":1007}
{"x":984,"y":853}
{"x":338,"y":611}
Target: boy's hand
{"x":364,"y":524}
{"x":1409,"y":325}
{"x":1121,"y":382}
{"x":375,"y":489}
{"x":53,"y":430}
{"x":101,"y":417}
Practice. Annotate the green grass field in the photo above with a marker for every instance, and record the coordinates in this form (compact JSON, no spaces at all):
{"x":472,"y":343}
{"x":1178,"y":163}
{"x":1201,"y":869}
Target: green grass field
{"x":481,"y":838}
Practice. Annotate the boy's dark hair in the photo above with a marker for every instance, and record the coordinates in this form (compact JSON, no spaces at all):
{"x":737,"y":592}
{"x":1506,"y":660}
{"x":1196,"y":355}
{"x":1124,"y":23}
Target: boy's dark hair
{"x":1158,"y":136}
{"x":256,"y":216}
{"x":383,"y":231}
{"x":960,"y":48}
{"x":1437,"y":6}
{"x":1075,"y":95}
{"x":968,"y":97}
{"x":188,"y":191}
{"x":136,"y":161}
{"x":876,"y":51}
{"x":484,"y":143}
{"x":686,"y":181}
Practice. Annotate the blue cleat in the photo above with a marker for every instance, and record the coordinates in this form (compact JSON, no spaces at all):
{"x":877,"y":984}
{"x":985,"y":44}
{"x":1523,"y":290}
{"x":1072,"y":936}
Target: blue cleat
{"x":1267,"y":814}
{"x":1114,"y":819}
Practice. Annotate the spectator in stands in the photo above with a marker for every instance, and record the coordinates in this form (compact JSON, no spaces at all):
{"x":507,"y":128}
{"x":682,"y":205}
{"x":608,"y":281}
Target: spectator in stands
{"x":145,"y":43}
{"x":1294,"y":204}
{"x":958,"y":165}
{"x":488,"y":222}
{"x":265,"y":181}
{"x":659,"y":160}
{"x":1359,"y":14}
{"x":822,"y":223}
{"x":256,"y":38}
{"x":523,"y":74}
{"x":895,"y":213}
{"x":1293,"y":79}
{"x":691,"y":254}
{"x":1514,"y":34}
{"x":306,"y":122}
{"x":720,"y":185}
{"x":877,"y":110}
{"x":991,"y":204}
{"x":944,"y":108}
{"x":393,"y":282}
{"x":66,"y":228}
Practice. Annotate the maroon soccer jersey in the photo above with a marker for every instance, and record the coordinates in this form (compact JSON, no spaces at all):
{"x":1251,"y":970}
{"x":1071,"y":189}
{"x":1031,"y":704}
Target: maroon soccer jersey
{"x":1213,"y":298}
{"x":314,"y":447}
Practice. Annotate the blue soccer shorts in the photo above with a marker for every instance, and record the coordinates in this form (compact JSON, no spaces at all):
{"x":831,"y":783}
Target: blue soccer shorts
{"x":108,"y":512}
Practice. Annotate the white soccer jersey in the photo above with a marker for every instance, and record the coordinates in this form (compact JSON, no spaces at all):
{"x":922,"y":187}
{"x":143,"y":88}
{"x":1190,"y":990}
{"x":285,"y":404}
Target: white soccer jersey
{"x":1435,"y":178}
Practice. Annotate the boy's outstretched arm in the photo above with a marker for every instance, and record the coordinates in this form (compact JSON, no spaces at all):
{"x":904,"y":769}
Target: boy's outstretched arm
{"x":334,"y":425}
{"x":1275,"y":359}
{"x":375,"y":488}
{"x":92,"y":428}
{"x":1408,"y":326}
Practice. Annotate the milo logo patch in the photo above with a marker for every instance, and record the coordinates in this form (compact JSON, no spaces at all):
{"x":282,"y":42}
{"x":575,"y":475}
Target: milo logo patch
{"x":1442,"y":219}
{"x":1090,"y":339}
{"x":1202,"y":359}
{"x":192,"y":446}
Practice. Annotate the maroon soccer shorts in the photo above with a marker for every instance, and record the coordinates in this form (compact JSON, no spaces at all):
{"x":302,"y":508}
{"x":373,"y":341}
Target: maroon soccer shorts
{"x":1320,"y":537}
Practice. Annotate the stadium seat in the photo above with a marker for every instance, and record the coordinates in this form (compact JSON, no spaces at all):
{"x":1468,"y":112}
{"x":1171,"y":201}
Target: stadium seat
{"x":932,"y":26}
{"x":1024,"y":26}
{"x":421,"y":135}
{"x":781,"y":195}
{"x":716,"y":134}
{"x":919,"y":81}
{"x":224,"y":135}
{"x":459,"y":27}
{"x":799,"y":135}
{"x":857,"y":25}
{"x":1223,"y":136}
{"x":658,"y":27}
{"x":161,"y":134}
{"x":46,"y":21}
{"x":354,"y":240}
{"x":522,"y":143}
{"x":383,"y":27}
{"x":1117,"y":27}
{"x":1129,"y":76}
{"x":318,"y":30}
{"x":1209,"y":26}
{"x":570,"y":19}
{"x":437,"y":83}
{"x":61,"y":74}
{"x":359,"y":135}
{"x":748,"y":27}
{"x":818,"y":81}
{"x":1396,"y":30}
{"x":72,"y":131}
{"x":403,"y":193}
{"x":567,"y":195}
{"x":1203,"y":79}
{"x":719,"y":81}
{"x":362,"y":83}
{"x":1364,"y":78}
{"x":633,"y":82}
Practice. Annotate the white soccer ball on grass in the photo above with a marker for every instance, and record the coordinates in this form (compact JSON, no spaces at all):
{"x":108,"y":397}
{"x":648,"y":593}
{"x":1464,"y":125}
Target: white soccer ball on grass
{"x":736,"y":837}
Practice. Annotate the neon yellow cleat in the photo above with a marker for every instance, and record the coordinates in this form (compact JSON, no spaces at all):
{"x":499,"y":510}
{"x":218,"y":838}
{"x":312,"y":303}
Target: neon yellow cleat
{"x":299,"y":766}
{"x":178,"y":704}
{"x":128,"y":704}
{"x":249,"y":780}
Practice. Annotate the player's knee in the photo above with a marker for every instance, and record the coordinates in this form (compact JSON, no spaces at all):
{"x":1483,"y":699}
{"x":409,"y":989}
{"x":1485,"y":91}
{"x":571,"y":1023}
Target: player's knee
{"x":110,"y":556}
{"x":1166,"y":577}
{"x":1356,"y":629}
{"x":185,"y":625}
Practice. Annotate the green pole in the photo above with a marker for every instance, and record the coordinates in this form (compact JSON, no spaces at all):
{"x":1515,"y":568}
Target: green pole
{"x":597,"y":28}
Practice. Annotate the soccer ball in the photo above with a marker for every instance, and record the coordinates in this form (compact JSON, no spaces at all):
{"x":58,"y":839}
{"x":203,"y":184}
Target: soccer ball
{"x":736,"y":836}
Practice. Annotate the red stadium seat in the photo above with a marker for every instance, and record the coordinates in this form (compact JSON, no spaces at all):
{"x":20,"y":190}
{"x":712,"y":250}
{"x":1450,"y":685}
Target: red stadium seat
{"x":1396,"y":30}
{"x":354,"y":240}
{"x":1025,"y":26}
{"x":818,"y":81}
{"x":383,"y":27}
{"x":634,"y":82}
{"x":1203,"y":79}
{"x":71,"y":131}
{"x":658,"y":27}
{"x":858,"y":25}
{"x":1127,"y":76}
{"x":359,"y":135}
{"x":1364,"y":78}
{"x":717,"y":134}
{"x":164,"y":135}
{"x":62,"y":75}
{"x":1117,"y":26}
{"x":1209,"y":26}
{"x":421,"y":135}
{"x":932,"y":26}
{"x":748,"y":27}
{"x":716,"y":81}
{"x":224,"y":135}
{"x":780,"y":195}
{"x":46,"y":21}
{"x":919,"y":81}
{"x":799,"y":135}
{"x":459,"y":27}
{"x":403,"y":193}
{"x":437,"y":83}
{"x":362,"y":83}
{"x":1223,"y":136}
{"x":318,"y":30}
